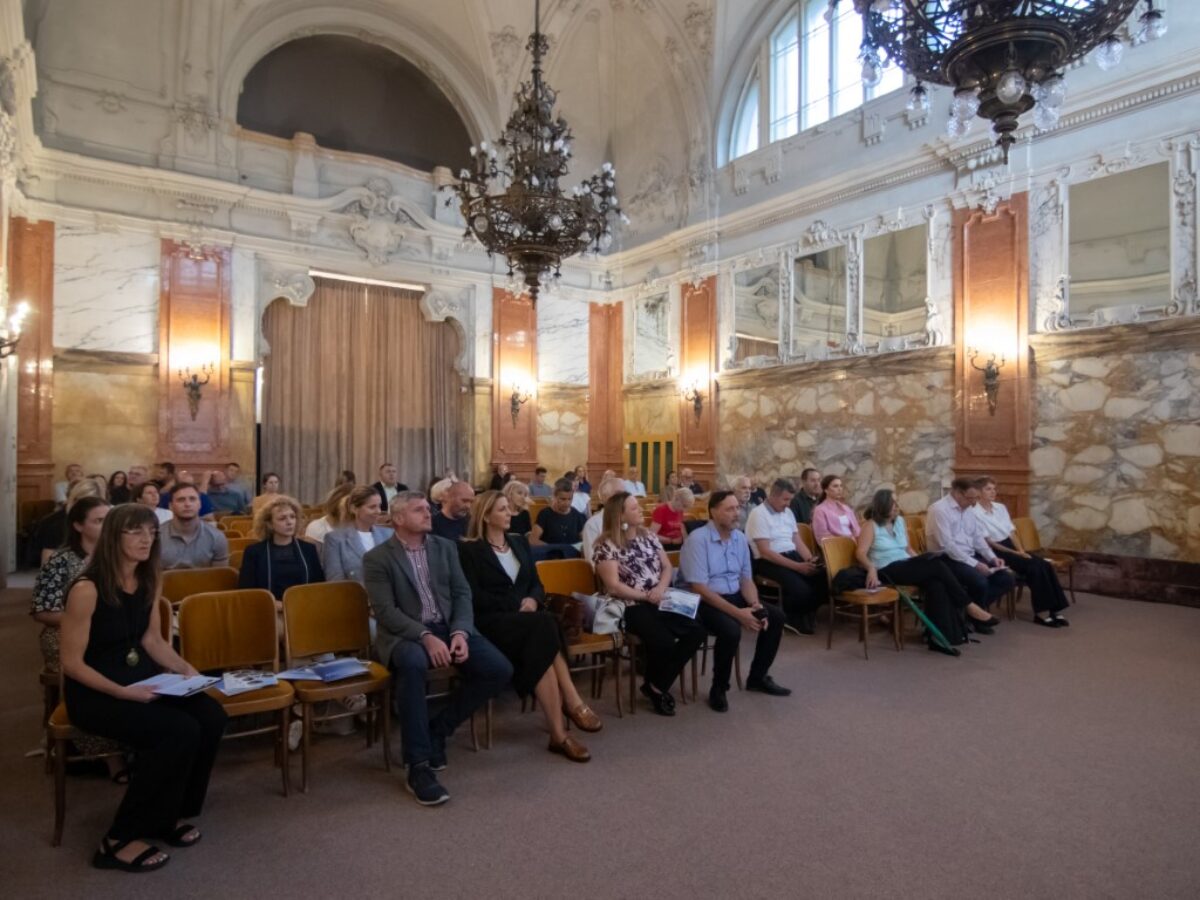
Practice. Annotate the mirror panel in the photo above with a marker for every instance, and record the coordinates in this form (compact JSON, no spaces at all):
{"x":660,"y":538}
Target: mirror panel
{"x":819,"y":303}
{"x":652,"y":355}
{"x":895,"y":285}
{"x":756,"y":313}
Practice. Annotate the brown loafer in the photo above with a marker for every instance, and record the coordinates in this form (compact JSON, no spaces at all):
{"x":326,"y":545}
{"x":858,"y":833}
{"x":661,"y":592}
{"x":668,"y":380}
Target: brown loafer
{"x":584,"y":718}
{"x":571,"y":749}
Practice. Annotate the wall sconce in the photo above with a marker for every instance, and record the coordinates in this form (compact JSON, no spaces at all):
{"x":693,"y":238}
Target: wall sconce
{"x":192,"y":384}
{"x":12,"y":334}
{"x":991,"y":378}
{"x":692,"y":393}
{"x":521,"y":392}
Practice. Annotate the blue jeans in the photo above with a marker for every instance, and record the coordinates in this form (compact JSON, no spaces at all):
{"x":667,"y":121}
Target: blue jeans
{"x":484,"y":675}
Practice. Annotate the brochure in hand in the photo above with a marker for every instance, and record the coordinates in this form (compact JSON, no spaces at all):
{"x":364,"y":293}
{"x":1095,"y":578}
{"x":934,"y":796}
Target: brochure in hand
{"x":169,"y":684}
{"x":242,"y":681}
{"x":334,"y":670}
{"x":685,"y":603}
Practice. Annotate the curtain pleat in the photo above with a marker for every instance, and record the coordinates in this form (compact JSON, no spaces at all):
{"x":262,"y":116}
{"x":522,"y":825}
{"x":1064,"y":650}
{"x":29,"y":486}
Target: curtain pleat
{"x":354,"y":379}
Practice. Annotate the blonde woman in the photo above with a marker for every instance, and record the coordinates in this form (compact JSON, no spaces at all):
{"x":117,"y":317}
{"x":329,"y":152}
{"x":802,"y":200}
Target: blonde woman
{"x":335,"y":516}
{"x":345,"y":546}
{"x":508,"y":598}
{"x":279,"y":560}
{"x":517,"y":495}
{"x":633,"y":567}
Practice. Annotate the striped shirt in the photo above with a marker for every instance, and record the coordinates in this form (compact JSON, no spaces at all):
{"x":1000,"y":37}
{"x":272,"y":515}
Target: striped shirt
{"x":418,"y":558}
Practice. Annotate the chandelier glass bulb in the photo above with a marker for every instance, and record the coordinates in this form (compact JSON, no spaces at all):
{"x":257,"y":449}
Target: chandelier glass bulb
{"x":1011,"y":87}
{"x":1154,"y":25}
{"x":1110,"y":53}
{"x":965,"y":104}
{"x":872,"y":69}
{"x":1053,"y":91}
{"x":1045,"y":117}
{"x":956,"y":127}
{"x":918,"y":98}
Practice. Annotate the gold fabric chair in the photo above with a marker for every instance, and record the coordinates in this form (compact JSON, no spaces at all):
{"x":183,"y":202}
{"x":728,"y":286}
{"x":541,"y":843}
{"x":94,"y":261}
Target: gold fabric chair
{"x":806,"y":535}
{"x":863,"y":605}
{"x":235,"y":559}
{"x":240,"y":543}
{"x":332,"y":617}
{"x":1032,"y":542}
{"x":225,"y":630}
{"x":241,"y":523}
{"x":180,"y":583}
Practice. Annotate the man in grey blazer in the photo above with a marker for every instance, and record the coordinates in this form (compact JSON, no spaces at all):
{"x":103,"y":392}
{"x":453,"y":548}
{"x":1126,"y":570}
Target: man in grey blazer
{"x":423,"y":611}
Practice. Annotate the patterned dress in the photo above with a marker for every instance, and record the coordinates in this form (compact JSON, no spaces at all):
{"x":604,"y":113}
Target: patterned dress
{"x":638,"y":564}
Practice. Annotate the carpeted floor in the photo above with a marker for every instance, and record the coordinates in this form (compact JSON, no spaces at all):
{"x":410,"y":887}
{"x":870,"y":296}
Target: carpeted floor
{"x":1042,"y":764}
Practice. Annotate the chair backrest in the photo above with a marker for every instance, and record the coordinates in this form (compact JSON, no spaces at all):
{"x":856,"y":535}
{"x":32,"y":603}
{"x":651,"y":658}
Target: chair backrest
{"x":241,"y":523}
{"x":1027,"y":531}
{"x":179,"y":583}
{"x":916,"y":535}
{"x":806,"y":535}
{"x":330,"y":617}
{"x":566,"y":576}
{"x":673,"y":556}
{"x":235,"y":559}
{"x":164,"y":618}
{"x":233,"y":533}
{"x":229,"y":630}
{"x":839,"y":553}
{"x":240,"y":543}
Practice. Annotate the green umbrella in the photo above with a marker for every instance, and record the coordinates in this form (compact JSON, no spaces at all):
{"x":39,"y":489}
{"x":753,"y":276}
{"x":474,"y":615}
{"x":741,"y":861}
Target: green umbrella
{"x":933,"y":630}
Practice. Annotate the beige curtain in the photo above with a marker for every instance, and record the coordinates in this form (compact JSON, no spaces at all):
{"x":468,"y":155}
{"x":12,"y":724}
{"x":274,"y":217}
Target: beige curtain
{"x":357,"y":378}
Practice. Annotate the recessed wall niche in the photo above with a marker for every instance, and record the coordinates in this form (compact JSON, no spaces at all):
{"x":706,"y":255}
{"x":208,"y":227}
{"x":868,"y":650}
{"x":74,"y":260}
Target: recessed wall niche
{"x":818,"y":303}
{"x":895,"y":285}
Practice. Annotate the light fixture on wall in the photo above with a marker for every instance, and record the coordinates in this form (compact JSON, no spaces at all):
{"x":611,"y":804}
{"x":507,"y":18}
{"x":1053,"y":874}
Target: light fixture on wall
{"x":12,"y":331}
{"x":991,"y":378}
{"x":522,"y":391}
{"x":193,"y":385}
{"x":1001,"y":57}
{"x":692,"y":392}
{"x":530,"y":221}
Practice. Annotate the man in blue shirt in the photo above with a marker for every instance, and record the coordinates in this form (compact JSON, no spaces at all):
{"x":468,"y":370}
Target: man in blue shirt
{"x":715,"y":562}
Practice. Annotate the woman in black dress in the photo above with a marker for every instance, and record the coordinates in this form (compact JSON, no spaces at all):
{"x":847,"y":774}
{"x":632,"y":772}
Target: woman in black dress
{"x":111,"y":639}
{"x":508,"y":598}
{"x":279,"y":560}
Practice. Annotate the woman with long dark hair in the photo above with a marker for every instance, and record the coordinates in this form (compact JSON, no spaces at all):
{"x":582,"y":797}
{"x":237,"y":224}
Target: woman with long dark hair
{"x":118,"y":488}
{"x":112,"y":639}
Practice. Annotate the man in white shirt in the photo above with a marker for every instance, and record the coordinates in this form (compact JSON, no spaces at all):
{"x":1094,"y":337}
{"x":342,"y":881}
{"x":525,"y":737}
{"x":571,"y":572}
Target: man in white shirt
{"x":633,"y":484}
{"x":742,"y":489}
{"x":780,"y":554}
{"x":74,"y":475}
{"x":952,"y":529}
{"x":592,"y":528}
{"x":388,"y":485}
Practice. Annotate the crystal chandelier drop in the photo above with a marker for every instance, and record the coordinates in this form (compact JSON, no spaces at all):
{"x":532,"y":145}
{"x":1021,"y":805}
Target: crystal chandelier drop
{"x":528,"y":219}
{"x":1001,"y":57}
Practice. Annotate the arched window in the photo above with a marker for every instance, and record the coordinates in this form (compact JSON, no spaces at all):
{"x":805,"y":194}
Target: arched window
{"x":813,"y":74}
{"x":355,"y":96}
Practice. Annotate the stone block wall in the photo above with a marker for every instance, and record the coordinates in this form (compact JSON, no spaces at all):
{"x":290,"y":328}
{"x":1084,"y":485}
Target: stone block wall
{"x":562,"y":438}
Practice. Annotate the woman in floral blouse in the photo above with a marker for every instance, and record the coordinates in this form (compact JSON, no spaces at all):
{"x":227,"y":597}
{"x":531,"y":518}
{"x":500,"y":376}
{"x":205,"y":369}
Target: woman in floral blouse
{"x":634,"y":567}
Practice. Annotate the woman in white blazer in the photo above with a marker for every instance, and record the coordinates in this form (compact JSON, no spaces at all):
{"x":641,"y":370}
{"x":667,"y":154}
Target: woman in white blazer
{"x":345,"y":546}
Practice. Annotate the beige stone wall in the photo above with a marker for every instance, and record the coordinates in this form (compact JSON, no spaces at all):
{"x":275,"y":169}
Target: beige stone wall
{"x":651,"y":410}
{"x":105,"y":418}
{"x":1116,"y":441}
{"x":562,"y":438}
{"x":882,"y":422}
{"x":480,"y":455}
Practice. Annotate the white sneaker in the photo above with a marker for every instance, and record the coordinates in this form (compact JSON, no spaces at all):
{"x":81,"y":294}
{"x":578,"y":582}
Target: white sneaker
{"x":355,"y":702}
{"x":295,"y":735}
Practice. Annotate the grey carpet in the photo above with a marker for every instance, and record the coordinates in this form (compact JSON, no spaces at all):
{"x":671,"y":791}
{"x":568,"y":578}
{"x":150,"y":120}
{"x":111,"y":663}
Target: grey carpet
{"x":1042,"y":764}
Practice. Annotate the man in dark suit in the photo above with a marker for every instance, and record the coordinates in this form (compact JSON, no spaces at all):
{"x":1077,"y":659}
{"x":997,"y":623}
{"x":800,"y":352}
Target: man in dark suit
{"x":807,"y":497}
{"x":423,"y":610}
{"x":388,"y":485}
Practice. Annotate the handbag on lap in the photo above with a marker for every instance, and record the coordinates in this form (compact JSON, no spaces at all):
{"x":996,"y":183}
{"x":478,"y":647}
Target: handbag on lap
{"x":570,"y":612}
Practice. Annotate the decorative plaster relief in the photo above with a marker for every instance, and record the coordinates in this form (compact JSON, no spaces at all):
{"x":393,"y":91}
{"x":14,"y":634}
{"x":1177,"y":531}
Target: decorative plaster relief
{"x":379,"y":221}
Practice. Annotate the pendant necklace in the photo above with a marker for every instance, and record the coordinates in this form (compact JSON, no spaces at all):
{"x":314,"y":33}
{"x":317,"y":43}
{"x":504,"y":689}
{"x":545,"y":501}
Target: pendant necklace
{"x":132,"y":658}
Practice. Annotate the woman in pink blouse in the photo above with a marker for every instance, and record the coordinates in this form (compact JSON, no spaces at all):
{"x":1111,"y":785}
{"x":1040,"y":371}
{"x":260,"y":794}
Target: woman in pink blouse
{"x":832,"y":517}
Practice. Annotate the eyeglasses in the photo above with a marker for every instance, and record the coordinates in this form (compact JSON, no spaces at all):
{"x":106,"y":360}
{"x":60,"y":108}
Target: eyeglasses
{"x":145,"y":531}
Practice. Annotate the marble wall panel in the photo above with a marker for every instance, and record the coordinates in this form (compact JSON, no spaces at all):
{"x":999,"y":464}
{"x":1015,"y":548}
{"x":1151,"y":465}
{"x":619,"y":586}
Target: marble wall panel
{"x":562,"y":428}
{"x":481,"y":433}
{"x":652,"y":411}
{"x":563,"y":340}
{"x":107,"y":420}
{"x":106,"y":287}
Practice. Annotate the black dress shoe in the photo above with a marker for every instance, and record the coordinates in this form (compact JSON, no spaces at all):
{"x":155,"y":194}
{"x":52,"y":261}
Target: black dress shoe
{"x":1060,"y":622}
{"x":664,"y":704}
{"x":717,"y":701}
{"x":991,"y":621}
{"x":1045,"y":623}
{"x":982,"y":627}
{"x":949,"y":651}
{"x":767,"y":685}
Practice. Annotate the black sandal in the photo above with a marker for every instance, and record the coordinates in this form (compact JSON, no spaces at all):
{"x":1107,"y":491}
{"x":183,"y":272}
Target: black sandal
{"x":175,"y":837}
{"x":120,"y":777}
{"x":106,"y":857}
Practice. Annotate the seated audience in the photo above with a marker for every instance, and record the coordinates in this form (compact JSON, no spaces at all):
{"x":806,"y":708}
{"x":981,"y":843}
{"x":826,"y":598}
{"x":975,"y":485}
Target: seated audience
{"x":667,"y":519}
{"x":510,"y":612}
{"x":580,"y":500}
{"x":111,"y":638}
{"x":807,"y":498}
{"x":74,"y":474}
{"x":758,"y":494}
{"x":280,"y":559}
{"x":716,"y":565}
{"x":271,"y":484}
{"x":517,"y":495}
{"x":185,"y":478}
{"x":235,"y":482}
{"x":85,"y":519}
{"x":225,"y":500}
{"x":669,"y":487}
{"x":884,"y":551}
{"x":633,"y":566}
{"x":186,"y":541}
{"x":1045,"y":592}
{"x":744,"y":494}
{"x":559,"y":527}
{"x":951,"y":528}
{"x":781,"y":555}
{"x":593,"y":527}
{"x":832,"y":517}
{"x":360,"y":533}
{"x":118,"y":487}
{"x":335,"y":516}
{"x":451,"y":520}
{"x":633,"y":482}
{"x":388,"y":485}
{"x":688,"y":481}
{"x":346,"y":477}
{"x":135,"y":479}
{"x":539,"y":487}
{"x":501,"y":475}
{"x":422,"y":606}
{"x":581,"y":479}
{"x":164,"y":476}
{"x":51,"y":531}
{"x":147,"y":495}
{"x":437,"y":491}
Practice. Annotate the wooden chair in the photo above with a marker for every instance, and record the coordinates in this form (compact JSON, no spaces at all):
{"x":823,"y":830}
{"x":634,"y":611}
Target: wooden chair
{"x":916,"y":533}
{"x":235,"y":559}
{"x":241,"y":523}
{"x":861,"y":604}
{"x":60,"y":733}
{"x":332,"y":618}
{"x":807,"y":536}
{"x":673,"y":556}
{"x":240,"y":543}
{"x":568,"y":576}
{"x":1032,"y":542}
{"x":180,"y":583}
{"x":237,"y":630}
{"x":234,"y":533}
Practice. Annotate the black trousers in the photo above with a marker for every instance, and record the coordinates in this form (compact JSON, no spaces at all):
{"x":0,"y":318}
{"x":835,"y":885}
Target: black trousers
{"x":1045,"y":592}
{"x":944,"y":598}
{"x":728,"y":634}
{"x":983,"y":589}
{"x":175,"y":741}
{"x":671,"y":640}
{"x":802,"y":594}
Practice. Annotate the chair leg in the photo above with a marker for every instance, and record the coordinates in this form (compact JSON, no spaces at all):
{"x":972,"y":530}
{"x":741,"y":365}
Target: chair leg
{"x":306,"y":711}
{"x":385,"y":713}
{"x":737,"y":667}
{"x":616,"y":658}
{"x":474,"y":735}
{"x":632,"y":679}
{"x":1071,"y":583}
{"x":703,"y":657}
{"x":829,"y":639}
{"x":897,"y":637}
{"x":286,"y":763}
{"x":864,"y":631}
{"x":59,"y":749}
{"x":695,"y":680}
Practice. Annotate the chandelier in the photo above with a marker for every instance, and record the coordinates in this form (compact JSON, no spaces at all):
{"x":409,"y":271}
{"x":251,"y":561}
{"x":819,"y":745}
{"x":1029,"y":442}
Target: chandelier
{"x":511,"y":199}
{"x":1001,"y":57}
